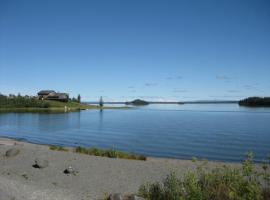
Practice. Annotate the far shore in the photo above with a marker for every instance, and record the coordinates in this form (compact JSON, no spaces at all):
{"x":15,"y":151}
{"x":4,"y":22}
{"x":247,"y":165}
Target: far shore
{"x":96,"y":177}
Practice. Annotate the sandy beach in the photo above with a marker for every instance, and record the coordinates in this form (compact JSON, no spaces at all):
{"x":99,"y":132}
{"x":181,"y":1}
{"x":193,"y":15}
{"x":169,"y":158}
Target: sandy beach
{"x":97,"y":177}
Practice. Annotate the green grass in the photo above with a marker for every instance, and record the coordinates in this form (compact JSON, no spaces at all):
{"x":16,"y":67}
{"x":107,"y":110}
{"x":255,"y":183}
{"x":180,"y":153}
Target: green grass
{"x":75,"y":105}
{"x":57,"y":104}
{"x":224,"y":183}
{"x":57,"y":148}
{"x":54,"y":107}
{"x":111,"y":153}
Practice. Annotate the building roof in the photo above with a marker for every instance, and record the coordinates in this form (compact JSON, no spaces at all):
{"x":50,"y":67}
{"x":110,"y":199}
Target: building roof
{"x":53,"y":94}
{"x":45,"y":92}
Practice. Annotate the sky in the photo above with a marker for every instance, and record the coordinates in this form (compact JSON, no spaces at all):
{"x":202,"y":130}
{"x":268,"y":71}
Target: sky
{"x":154,"y":50}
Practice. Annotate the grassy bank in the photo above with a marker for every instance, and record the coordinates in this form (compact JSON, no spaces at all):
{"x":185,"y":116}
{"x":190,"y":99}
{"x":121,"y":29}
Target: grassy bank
{"x":110,"y":153}
{"x":49,"y":106}
{"x":58,"y":148}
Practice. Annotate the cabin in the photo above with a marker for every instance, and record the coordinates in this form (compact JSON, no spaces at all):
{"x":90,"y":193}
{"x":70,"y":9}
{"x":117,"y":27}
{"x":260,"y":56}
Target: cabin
{"x":52,"y":95}
{"x":44,"y":93}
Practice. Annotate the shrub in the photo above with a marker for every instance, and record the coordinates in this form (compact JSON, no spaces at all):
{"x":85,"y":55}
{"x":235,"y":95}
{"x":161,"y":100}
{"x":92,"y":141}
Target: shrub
{"x":224,"y":183}
{"x":111,"y":153}
{"x":58,"y":148}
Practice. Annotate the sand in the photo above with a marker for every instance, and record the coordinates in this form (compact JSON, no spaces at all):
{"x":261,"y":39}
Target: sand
{"x":97,"y":177}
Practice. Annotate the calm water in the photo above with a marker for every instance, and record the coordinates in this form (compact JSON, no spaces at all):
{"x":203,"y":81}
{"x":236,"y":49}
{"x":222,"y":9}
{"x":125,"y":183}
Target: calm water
{"x":212,"y":131}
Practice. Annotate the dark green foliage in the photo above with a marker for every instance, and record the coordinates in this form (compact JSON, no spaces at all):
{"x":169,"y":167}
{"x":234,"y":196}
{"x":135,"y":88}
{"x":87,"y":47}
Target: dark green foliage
{"x":111,"y":153}
{"x":79,"y":98}
{"x":73,"y":99}
{"x":225,"y":183}
{"x":255,"y":101}
{"x":266,"y":178}
{"x":19,"y":101}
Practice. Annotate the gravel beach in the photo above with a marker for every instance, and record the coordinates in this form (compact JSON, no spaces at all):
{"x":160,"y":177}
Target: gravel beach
{"x":95,"y":177}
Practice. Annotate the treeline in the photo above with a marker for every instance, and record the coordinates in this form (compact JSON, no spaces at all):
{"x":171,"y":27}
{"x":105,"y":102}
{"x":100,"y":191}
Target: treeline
{"x":76,"y":100}
{"x":18,"y":101}
{"x":255,"y":101}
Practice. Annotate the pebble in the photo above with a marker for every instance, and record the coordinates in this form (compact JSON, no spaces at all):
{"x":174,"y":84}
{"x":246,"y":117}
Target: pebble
{"x":40,"y":163}
{"x":135,"y":197}
{"x":116,"y":196}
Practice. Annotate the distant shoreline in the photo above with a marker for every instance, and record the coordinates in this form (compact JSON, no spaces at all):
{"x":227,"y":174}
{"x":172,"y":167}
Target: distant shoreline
{"x":171,"y":102}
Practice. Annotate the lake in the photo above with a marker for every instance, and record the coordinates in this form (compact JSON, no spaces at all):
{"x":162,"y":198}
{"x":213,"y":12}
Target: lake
{"x":221,"y":132}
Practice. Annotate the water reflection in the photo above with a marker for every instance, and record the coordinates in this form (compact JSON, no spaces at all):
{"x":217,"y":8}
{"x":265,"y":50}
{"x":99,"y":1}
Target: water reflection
{"x":101,"y":119}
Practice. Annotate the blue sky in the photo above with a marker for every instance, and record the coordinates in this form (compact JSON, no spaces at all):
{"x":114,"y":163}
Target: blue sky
{"x":121,"y":50}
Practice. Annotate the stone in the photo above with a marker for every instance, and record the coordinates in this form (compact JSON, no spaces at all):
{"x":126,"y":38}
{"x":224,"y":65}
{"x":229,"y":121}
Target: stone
{"x":135,"y":197}
{"x":25,"y":177}
{"x":116,"y":196}
{"x":40,"y":163}
{"x":70,"y":170}
{"x":12,"y":152}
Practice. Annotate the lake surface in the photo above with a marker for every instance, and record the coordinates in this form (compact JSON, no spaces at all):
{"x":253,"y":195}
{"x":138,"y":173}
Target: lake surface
{"x":210,"y":131}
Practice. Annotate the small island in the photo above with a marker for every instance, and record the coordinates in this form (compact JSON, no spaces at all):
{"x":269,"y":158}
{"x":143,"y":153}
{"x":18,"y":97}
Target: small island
{"x":255,"y":102}
{"x":137,"y":102}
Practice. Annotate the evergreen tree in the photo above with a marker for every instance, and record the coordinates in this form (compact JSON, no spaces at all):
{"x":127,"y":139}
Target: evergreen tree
{"x":79,"y":98}
{"x":74,"y":99}
{"x":101,"y":102}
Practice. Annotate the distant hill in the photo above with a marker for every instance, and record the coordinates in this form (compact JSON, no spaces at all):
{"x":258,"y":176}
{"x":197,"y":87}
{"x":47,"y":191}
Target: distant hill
{"x":255,"y":102}
{"x":137,"y":102}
